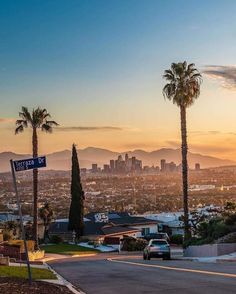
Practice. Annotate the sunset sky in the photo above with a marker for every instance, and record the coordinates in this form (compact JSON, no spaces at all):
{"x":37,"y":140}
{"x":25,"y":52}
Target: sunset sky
{"x":97,"y":67}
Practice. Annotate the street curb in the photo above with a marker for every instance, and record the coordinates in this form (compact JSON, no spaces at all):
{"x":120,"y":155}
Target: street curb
{"x":64,"y":281}
{"x":45,"y":260}
{"x":84,"y":255}
{"x":196,"y":259}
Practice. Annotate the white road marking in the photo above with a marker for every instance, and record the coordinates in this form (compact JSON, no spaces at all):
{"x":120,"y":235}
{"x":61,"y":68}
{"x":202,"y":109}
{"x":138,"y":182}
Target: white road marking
{"x":174,"y":268}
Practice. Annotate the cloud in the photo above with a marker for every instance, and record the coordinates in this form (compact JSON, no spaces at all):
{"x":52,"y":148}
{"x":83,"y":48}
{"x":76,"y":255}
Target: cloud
{"x":173,"y":144}
{"x":6,"y":120}
{"x":89,"y":128}
{"x":205,"y":133}
{"x":226,"y":75}
{"x":138,"y":145}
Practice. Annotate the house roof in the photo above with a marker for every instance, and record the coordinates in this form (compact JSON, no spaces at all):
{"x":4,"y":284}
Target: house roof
{"x":122,"y":218}
{"x":131,"y":221}
{"x":92,"y":229}
{"x":118,"y":230}
{"x":114,"y":223}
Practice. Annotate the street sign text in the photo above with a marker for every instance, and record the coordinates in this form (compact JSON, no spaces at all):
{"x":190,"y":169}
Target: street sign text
{"x":25,"y":164}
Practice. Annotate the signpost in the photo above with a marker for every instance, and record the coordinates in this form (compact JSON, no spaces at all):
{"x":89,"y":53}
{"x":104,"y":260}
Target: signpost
{"x":22,"y":165}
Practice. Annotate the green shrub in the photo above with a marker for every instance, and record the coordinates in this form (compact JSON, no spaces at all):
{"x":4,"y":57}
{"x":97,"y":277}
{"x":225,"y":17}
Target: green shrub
{"x":231,"y":220}
{"x":7,"y":236}
{"x":84,"y":239}
{"x":197,"y":241}
{"x":176,"y":239}
{"x":133,"y":244}
{"x":220,"y":230}
{"x":56,"y":239}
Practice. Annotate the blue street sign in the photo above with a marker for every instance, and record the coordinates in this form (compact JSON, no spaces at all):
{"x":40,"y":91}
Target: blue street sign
{"x":31,"y":163}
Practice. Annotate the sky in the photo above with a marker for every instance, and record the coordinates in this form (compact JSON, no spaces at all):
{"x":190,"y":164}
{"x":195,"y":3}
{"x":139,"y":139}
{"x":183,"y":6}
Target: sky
{"x":97,"y":67}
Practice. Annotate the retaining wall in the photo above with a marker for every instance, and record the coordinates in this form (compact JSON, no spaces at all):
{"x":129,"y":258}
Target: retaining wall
{"x":210,"y":250}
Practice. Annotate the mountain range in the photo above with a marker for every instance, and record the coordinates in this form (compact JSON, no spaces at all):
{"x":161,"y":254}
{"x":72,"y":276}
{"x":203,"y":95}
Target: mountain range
{"x":62,"y":160}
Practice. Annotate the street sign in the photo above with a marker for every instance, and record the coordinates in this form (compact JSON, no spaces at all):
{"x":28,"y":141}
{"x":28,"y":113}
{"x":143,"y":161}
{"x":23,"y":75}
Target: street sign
{"x":31,"y":163}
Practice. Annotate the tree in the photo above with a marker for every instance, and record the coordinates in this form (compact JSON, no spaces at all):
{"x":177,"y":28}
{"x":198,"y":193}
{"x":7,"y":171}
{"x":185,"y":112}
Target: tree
{"x":76,"y":214}
{"x":230,"y":206}
{"x":46,"y":214}
{"x":38,"y":119}
{"x":183,"y":88}
{"x":11,"y":229}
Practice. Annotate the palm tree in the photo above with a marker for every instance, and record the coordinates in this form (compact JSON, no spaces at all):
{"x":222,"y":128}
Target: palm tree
{"x":183,"y":88}
{"x":38,"y":119}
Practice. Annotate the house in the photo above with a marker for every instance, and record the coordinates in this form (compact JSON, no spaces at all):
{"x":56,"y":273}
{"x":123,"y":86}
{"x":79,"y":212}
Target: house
{"x":98,"y":226}
{"x":168,"y":222}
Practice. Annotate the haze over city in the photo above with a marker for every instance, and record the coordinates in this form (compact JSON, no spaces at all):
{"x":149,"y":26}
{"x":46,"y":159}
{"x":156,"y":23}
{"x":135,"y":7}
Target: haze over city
{"x":97,"y":67}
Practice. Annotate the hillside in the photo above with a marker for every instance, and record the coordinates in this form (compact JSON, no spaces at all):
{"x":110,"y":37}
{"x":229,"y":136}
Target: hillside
{"x":62,"y":160}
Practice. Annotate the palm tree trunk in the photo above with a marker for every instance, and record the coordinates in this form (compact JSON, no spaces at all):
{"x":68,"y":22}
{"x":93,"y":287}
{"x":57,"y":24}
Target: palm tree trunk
{"x":184,"y":148}
{"x":35,"y":189}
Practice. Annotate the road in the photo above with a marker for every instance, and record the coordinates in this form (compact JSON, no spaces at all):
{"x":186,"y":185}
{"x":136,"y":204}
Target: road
{"x":113,"y":274}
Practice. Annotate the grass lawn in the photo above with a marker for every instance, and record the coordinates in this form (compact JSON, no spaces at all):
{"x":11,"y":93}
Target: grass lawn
{"x":21,"y":272}
{"x":67,"y":249}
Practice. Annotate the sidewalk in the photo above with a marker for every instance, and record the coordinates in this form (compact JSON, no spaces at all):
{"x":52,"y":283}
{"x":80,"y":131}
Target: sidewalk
{"x":214,"y":259}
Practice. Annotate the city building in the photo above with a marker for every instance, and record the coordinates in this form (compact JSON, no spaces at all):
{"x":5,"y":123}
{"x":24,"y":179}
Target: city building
{"x":197,"y":167}
{"x":163,"y":165}
{"x":94,"y":168}
{"x":106,"y":168}
{"x":168,"y":167}
{"x":112,"y":165}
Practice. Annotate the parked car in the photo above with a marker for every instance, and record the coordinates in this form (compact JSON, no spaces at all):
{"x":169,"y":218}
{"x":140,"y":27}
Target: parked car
{"x":159,"y":248}
{"x":157,"y":236}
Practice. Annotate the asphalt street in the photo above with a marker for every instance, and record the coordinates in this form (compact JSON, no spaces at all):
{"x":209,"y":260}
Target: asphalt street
{"x":113,"y":274}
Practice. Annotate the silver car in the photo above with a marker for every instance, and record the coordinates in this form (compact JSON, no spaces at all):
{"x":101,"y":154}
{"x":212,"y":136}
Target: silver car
{"x":157,"y":248}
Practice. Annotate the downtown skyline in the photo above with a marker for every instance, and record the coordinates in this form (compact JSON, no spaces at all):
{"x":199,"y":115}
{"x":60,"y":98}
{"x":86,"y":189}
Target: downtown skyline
{"x":98,"y":68}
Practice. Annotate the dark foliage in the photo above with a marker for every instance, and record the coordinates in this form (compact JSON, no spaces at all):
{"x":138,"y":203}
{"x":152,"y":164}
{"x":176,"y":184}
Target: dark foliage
{"x":76,"y":214}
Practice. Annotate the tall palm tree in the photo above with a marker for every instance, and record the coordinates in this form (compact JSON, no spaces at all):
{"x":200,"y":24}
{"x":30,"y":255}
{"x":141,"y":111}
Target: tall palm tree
{"x":183,"y":88}
{"x":38,"y":119}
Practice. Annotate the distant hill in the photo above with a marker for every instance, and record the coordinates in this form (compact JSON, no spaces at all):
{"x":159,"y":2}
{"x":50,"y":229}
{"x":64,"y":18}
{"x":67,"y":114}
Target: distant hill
{"x":62,"y":160}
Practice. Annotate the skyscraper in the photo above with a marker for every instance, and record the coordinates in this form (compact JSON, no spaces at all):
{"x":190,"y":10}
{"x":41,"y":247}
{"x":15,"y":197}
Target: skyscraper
{"x":94,"y":168}
{"x":163,"y":165}
{"x":197,"y":166}
{"x":112,"y":164}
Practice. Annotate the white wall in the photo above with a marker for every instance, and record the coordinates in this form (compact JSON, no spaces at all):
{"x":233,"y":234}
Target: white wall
{"x":153,"y":229}
{"x":210,"y":250}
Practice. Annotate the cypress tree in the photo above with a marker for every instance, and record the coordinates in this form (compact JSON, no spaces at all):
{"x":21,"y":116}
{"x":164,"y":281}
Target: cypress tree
{"x":76,"y":215}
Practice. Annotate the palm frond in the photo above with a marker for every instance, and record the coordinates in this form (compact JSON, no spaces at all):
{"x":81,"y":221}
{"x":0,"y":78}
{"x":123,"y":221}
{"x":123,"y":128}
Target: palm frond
{"x":46,"y":128}
{"x":19,"y":129}
{"x":45,"y":114}
{"x":25,"y":114}
{"x":51,"y":123}
{"x":22,"y":122}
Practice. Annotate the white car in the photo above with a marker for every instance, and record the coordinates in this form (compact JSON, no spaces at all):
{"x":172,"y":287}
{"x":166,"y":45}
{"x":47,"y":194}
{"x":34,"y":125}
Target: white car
{"x":159,"y":248}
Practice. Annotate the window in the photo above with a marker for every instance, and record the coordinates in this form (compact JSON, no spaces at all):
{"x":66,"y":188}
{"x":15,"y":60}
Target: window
{"x":159,"y":243}
{"x":160,"y":227}
{"x":145,"y":231}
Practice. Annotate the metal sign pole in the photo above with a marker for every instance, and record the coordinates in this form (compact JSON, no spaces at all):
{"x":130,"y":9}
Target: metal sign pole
{"x":21,"y":221}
